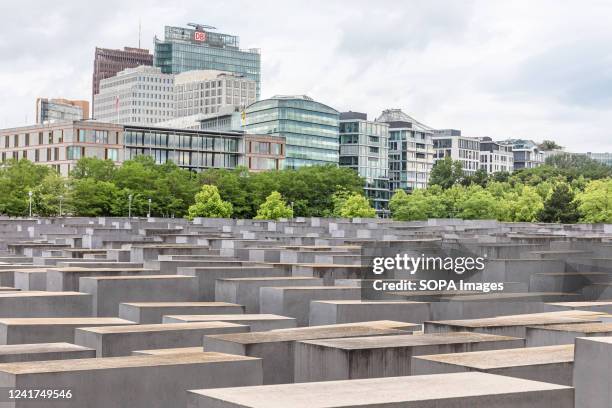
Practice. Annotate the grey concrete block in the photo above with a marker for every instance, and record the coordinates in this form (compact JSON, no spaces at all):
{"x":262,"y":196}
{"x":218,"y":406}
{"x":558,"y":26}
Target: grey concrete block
{"x":593,"y":372}
{"x":351,"y":311}
{"x":153,"y":312}
{"x":256,"y":322}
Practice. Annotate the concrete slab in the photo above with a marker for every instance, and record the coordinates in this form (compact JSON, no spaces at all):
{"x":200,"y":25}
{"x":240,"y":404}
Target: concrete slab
{"x":133,"y":381}
{"x":208,"y":274}
{"x":31,"y":279}
{"x":565,"y":333}
{"x":473,"y":390}
{"x":384,"y":356}
{"x":593,"y":372}
{"x":245,"y":291}
{"x":45,"y":304}
{"x":351,"y":311}
{"x":43,"y":352}
{"x":552,"y":364}
{"x":67,"y":279}
{"x":109,"y":292}
{"x":49,"y":329}
{"x":167,"y":351}
{"x":256,"y":322}
{"x":514,"y":326}
{"x":153,"y":312}
{"x":276,"y":347}
{"x":114,"y":341}
{"x":295,"y":301}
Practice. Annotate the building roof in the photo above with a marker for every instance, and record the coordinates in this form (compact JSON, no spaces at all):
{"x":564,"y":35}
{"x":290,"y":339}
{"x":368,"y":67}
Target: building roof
{"x":397,"y":115}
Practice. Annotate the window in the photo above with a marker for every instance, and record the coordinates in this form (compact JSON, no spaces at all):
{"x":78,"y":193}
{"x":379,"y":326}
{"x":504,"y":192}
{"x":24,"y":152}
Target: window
{"x":111,"y":154}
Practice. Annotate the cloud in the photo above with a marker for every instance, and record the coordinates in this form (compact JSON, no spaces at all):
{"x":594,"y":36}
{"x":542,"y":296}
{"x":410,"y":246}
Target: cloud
{"x":504,"y":69}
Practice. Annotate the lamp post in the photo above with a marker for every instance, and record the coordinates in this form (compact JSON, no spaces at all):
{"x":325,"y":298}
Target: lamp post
{"x":61,"y":197}
{"x":30,"y":194}
{"x":130,"y":206}
{"x":149,"y":213}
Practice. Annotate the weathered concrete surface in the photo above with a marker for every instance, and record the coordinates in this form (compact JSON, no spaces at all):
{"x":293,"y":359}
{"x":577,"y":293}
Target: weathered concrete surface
{"x":565,"y":333}
{"x":276,"y":347}
{"x":295,"y":301}
{"x":245,"y":291}
{"x":134,"y":381}
{"x":510,"y":325}
{"x":43,"y":352}
{"x":593,"y":372}
{"x":114,"y":341}
{"x":167,"y":351}
{"x":153,"y":312}
{"x":67,"y":279}
{"x":351,"y":311}
{"x":384,"y":356}
{"x":256,"y":322}
{"x":45,"y":304}
{"x":109,"y":292}
{"x":473,"y":390}
{"x":552,"y":364}
{"x":49,"y":329}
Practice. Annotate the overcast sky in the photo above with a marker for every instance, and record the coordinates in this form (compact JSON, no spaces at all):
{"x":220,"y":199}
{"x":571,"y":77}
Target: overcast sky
{"x":506,"y":69}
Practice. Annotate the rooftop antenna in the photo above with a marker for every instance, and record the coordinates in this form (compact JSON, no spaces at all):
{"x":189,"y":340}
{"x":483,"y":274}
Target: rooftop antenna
{"x":139,"y":31}
{"x":201,"y":26}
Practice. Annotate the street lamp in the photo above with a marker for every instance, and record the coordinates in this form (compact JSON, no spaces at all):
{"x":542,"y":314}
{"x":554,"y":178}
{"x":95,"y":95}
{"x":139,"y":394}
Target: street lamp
{"x":149,"y":213}
{"x":130,"y":206}
{"x":61,"y":197}
{"x":30,"y":194}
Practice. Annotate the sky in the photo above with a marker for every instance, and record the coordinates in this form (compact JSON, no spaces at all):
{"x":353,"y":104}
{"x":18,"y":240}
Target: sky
{"x":506,"y":69}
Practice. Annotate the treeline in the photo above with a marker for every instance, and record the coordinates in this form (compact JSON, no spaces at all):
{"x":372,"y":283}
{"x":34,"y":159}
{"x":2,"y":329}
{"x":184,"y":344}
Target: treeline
{"x":98,"y":188}
{"x":566,"y":189}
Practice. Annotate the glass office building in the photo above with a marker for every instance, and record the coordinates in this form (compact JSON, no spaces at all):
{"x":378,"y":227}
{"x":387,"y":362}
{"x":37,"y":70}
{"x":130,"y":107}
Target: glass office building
{"x":199,"y":48}
{"x":364,"y":147}
{"x":190,"y":149}
{"x":310,"y":128}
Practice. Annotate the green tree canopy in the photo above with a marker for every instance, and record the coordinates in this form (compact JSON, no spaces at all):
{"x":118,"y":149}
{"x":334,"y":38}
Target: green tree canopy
{"x":356,"y":205}
{"x":560,"y":206}
{"x":17,"y":178}
{"x":595,"y":203}
{"x":274,"y":208}
{"x":446,"y":172}
{"x":208,"y":204}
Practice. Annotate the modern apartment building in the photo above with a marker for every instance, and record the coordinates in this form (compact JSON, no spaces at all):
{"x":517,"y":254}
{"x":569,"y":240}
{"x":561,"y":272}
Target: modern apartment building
{"x":527,"y":154}
{"x":200,"y":47}
{"x":495,"y":157}
{"x":108,"y":62}
{"x":364,"y":147}
{"x":141,"y":95}
{"x":310,"y":128}
{"x":208,"y":92}
{"x":61,"y":144}
{"x":57,"y":110}
{"x":411,"y":152}
{"x":450,"y":143}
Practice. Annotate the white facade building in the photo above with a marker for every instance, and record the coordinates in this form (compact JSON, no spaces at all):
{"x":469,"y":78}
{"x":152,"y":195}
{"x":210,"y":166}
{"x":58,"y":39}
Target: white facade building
{"x":141,"y":95}
{"x":495,"y":157}
{"x":411,"y":153}
{"x":208,"y":92}
{"x":450,"y":143}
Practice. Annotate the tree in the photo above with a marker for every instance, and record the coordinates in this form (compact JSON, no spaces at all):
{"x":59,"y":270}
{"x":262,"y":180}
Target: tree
{"x":595,"y":202}
{"x":49,"y":195}
{"x":208,"y":203}
{"x":92,"y":167}
{"x":478,"y":204}
{"x":446,"y":172}
{"x":549,"y":145}
{"x":17,"y":178}
{"x":560,"y":206}
{"x":417,"y":206}
{"x":274,"y":208}
{"x":356,"y":205}
{"x":527,"y":206}
{"x":92,"y":198}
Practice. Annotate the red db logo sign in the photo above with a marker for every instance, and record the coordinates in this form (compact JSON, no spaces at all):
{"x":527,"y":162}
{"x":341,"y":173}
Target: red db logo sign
{"x":199,"y":36}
